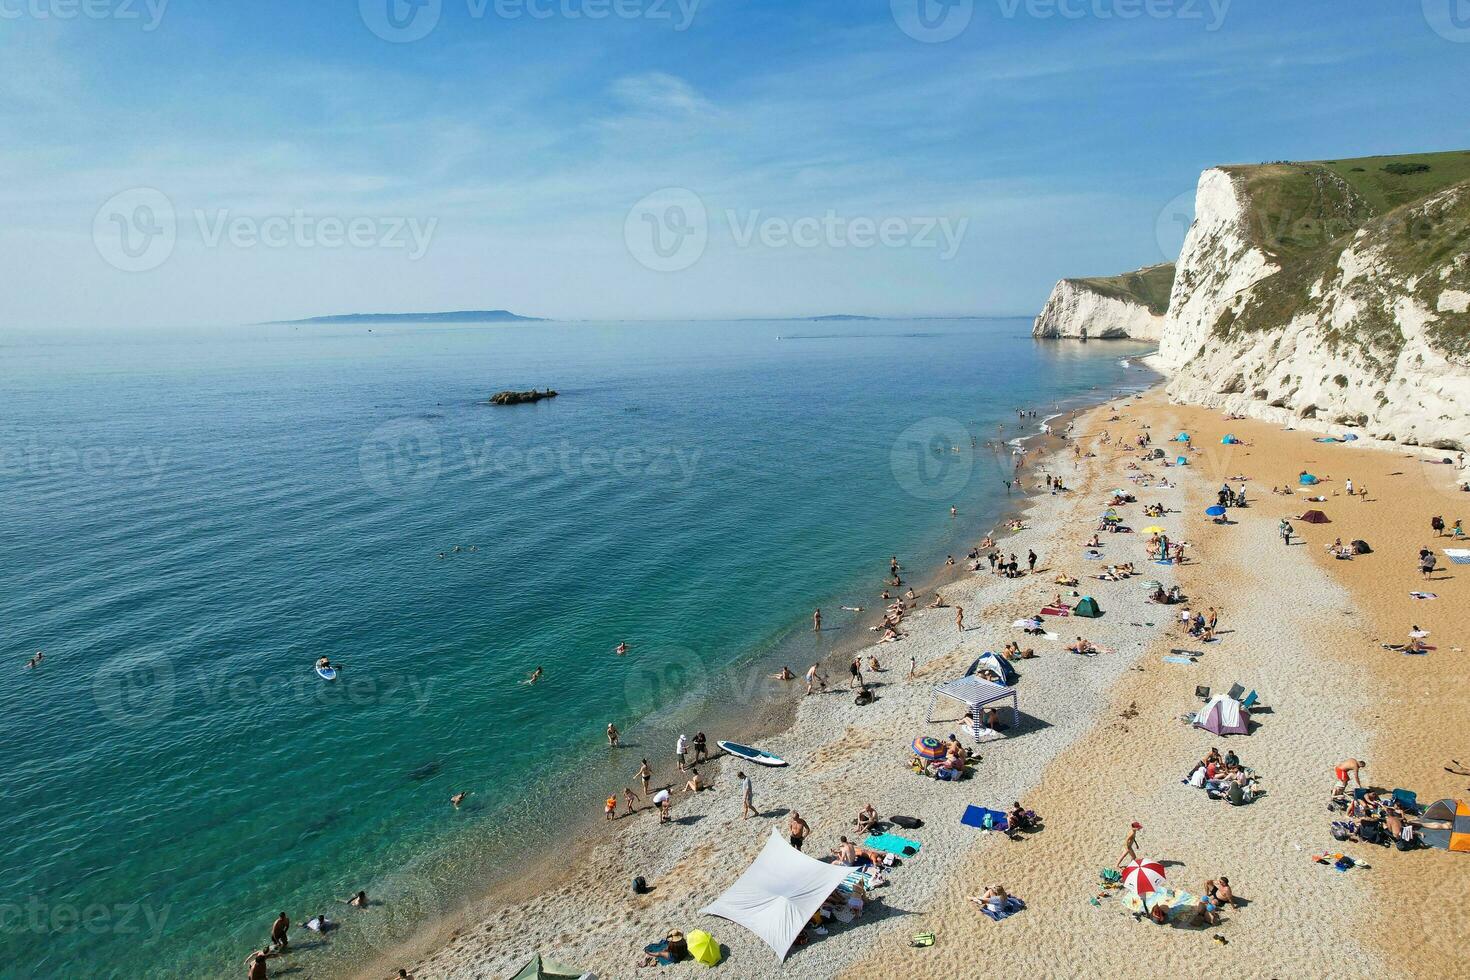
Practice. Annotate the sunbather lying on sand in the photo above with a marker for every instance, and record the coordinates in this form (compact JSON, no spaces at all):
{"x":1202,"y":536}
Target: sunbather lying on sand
{"x":1083,"y":647}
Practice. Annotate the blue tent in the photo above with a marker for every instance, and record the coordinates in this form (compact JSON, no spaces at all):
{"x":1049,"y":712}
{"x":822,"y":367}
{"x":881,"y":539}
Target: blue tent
{"x":1308,"y":479}
{"x":996,"y":663}
{"x":1229,"y":440}
{"x":1182,"y":437}
{"x":1181,"y":461}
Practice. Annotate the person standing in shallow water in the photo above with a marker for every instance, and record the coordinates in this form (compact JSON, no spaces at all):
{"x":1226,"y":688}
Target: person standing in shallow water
{"x":816,"y":620}
{"x":613,"y":735}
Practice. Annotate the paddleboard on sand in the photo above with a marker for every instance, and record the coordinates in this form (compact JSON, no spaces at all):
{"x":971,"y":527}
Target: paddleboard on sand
{"x":751,"y":754}
{"x":327,"y":673}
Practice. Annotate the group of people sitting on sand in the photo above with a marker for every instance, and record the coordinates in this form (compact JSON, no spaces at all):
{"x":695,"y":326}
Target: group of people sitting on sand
{"x":1224,"y":778}
{"x":1372,"y":819}
{"x":1168,"y":598}
{"x":1011,"y":651}
{"x":956,"y":757}
{"x":1118,"y":572}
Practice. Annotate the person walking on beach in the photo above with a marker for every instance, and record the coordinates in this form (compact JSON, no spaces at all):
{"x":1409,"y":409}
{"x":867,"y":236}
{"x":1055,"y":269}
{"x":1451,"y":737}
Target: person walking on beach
{"x":1130,"y":845}
{"x":855,"y":672}
{"x":255,"y":968}
{"x":1427,"y":561}
{"x":816,"y":620}
{"x":701,"y":750}
{"x":814,"y":678}
{"x":913,"y":666}
{"x":1286,"y":531}
{"x":280,"y":932}
{"x":959,"y":618}
{"x":798,"y":830}
{"x":613,"y":735}
{"x":1031,"y":560}
{"x":1436,"y":524}
{"x":747,"y":795}
{"x":645,"y":776}
{"x":681,"y":746}
{"x":1348,"y":486}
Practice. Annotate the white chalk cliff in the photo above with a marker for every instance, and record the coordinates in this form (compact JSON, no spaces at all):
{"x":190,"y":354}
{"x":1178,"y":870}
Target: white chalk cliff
{"x":1333,"y":295}
{"x":1130,"y":306}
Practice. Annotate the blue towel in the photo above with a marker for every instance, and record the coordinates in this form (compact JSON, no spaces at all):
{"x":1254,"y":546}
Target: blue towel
{"x":975,"y":817}
{"x":1012,"y":906}
{"x":893,"y":844}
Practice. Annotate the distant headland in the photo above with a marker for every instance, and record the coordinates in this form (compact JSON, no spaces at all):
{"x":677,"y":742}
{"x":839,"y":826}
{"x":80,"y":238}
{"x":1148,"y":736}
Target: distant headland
{"x":461,"y":316}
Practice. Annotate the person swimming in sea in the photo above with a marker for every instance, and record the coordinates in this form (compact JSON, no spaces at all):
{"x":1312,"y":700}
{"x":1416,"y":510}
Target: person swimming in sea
{"x":457,"y":799}
{"x":535,"y":676}
{"x":35,"y":661}
{"x":621,"y":649}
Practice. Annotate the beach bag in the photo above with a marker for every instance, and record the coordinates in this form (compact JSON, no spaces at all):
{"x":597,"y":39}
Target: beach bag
{"x":907,"y":823}
{"x":922,"y":939}
{"x":1198,"y":779}
{"x":640,"y":885}
{"x":1341,"y":830}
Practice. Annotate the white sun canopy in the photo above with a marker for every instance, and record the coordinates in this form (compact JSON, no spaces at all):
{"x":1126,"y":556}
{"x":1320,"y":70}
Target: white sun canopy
{"x":975,"y":694}
{"x":779,"y":893}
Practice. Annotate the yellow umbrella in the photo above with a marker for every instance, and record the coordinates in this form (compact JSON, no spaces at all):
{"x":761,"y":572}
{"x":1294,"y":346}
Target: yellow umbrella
{"x":1153,"y":529}
{"x":704,"y":948}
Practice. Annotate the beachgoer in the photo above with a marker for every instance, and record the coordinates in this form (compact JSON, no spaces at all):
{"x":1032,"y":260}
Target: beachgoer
{"x":358,"y":901}
{"x":866,"y":817}
{"x":535,"y":676}
{"x":621,"y":649}
{"x":784,"y":674}
{"x":255,"y":964}
{"x":613,"y":735}
{"x":630,"y":800}
{"x":681,"y":746}
{"x":701,"y":749}
{"x":813,"y":678}
{"x":1031,"y":559}
{"x":1130,"y":845}
{"x":798,"y":830}
{"x":457,"y":799}
{"x":610,"y":808}
{"x":816,"y":620}
{"x":959,"y":618}
{"x":1350,"y":768}
{"x":747,"y":795}
{"x":855,"y":672}
{"x":645,"y":776}
{"x":280,"y":932}
{"x":696,"y":781}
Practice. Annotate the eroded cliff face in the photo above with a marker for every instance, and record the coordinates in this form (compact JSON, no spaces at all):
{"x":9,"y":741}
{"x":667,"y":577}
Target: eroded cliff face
{"x":1368,"y":332}
{"x":1075,"y":311}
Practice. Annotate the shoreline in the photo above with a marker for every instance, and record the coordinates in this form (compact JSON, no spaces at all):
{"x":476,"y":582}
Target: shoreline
{"x":556,"y":876}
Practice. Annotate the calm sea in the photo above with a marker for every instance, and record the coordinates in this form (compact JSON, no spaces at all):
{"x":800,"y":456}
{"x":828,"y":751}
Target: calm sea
{"x":188,"y":520}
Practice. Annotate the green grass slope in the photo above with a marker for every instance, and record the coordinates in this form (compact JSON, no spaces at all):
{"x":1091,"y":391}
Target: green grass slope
{"x":1148,"y":287}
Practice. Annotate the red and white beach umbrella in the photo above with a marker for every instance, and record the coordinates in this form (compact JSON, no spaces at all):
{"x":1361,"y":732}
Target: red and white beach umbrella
{"x":1143,"y":877}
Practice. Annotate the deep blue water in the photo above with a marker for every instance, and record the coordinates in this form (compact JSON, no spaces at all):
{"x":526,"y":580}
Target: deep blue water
{"x":188,"y":520}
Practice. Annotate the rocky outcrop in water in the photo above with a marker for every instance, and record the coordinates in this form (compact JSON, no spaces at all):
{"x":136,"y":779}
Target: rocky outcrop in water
{"x":520,"y":397}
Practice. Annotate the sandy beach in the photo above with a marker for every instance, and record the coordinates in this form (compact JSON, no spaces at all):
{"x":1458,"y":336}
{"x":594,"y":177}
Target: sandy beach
{"x":1101,"y":744}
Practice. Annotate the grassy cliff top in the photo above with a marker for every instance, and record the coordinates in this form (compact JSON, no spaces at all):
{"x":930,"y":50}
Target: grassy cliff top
{"x":1148,"y":287}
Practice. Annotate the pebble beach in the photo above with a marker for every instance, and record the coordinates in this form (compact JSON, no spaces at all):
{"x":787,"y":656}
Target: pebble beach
{"x":1101,"y":744}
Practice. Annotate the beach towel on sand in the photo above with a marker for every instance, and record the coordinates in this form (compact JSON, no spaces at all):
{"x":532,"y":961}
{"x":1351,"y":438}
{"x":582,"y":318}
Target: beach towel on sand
{"x":1457,"y":556}
{"x":893,"y":844}
{"x":1011,"y":907}
{"x":974,"y":816}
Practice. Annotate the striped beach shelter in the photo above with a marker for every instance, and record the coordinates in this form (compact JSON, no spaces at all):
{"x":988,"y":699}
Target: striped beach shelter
{"x":1446,"y":825}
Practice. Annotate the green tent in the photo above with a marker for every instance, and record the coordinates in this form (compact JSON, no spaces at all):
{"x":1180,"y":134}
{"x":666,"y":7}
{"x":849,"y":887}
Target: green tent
{"x":542,"y":969}
{"x":1087,"y":607}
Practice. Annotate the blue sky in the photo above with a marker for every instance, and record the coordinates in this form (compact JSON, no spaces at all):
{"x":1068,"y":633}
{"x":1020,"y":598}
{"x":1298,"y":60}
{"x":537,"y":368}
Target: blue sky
{"x":515,"y":154}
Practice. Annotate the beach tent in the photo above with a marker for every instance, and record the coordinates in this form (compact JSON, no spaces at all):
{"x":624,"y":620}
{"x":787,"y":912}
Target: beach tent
{"x":1223,"y":716}
{"x":1087,"y":607}
{"x":1181,"y":461}
{"x":1307,"y":479}
{"x":1182,"y":437}
{"x":975,"y":694}
{"x":544,"y":969}
{"x":1446,"y":825}
{"x":1229,"y":440}
{"x":1349,"y":437}
{"x":1156,"y":454}
{"x":779,"y":893}
{"x":1360,"y":547}
{"x":995,"y":662}
{"x":1315,"y":517}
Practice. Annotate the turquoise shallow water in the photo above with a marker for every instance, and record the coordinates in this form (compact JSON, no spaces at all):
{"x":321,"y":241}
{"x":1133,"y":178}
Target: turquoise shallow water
{"x":190,"y":520}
